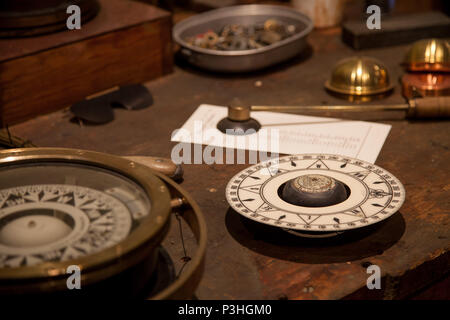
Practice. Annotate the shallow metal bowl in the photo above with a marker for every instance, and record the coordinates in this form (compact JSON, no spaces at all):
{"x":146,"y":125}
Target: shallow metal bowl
{"x":241,"y":60}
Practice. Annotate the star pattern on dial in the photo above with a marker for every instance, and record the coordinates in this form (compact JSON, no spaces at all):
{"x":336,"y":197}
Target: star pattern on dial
{"x":374,"y":193}
{"x":98,"y":220}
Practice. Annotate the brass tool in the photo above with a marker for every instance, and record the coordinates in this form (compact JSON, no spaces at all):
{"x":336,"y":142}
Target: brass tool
{"x":162,"y":165}
{"x":419,"y":108}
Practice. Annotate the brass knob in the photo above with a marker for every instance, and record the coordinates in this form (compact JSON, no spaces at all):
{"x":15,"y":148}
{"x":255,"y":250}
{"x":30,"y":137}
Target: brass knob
{"x":239,"y":113}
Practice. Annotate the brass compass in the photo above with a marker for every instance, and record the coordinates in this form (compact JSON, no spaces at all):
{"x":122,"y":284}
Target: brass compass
{"x":103,"y":213}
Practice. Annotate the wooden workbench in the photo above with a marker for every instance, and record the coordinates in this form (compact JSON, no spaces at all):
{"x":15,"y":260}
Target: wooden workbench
{"x":245,"y":261}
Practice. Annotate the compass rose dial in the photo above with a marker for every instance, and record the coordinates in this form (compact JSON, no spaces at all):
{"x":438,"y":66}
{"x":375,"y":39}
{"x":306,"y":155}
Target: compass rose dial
{"x":58,"y":222}
{"x":60,"y":208}
{"x":59,"y":212}
{"x":291,"y":192}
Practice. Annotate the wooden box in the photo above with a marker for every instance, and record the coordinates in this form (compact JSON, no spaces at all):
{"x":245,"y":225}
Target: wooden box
{"x":128,"y":42}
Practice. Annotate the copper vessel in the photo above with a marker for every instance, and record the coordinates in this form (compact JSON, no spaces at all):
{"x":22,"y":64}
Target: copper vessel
{"x":425,"y":85}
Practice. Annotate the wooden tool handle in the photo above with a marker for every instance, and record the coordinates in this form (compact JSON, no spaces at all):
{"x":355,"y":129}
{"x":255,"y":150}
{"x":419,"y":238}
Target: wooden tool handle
{"x":431,"y":107}
{"x":162,"y":165}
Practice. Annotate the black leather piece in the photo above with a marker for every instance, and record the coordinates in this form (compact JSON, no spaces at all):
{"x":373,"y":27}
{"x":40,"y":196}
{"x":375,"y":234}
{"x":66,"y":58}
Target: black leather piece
{"x":97,"y":110}
{"x":100,"y":109}
{"x":132,"y":97}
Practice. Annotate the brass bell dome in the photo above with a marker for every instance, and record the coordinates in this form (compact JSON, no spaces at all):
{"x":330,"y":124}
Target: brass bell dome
{"x":359,"y":76}
{"x":428,"y":55}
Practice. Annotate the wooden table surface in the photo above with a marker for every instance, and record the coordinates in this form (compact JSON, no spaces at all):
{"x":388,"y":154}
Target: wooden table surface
{"x":246,"y":261}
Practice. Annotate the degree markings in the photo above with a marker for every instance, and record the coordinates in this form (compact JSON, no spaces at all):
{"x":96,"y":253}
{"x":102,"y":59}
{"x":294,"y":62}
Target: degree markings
{"x":369,"y":209}
{"x":108,"y":221}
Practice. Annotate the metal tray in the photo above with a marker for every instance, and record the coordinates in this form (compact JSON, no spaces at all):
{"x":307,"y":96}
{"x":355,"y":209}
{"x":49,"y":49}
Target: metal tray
{"x":242,"y":60}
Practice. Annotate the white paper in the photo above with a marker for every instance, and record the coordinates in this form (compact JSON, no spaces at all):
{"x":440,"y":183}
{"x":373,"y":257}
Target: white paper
{"x":293,"y":134}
